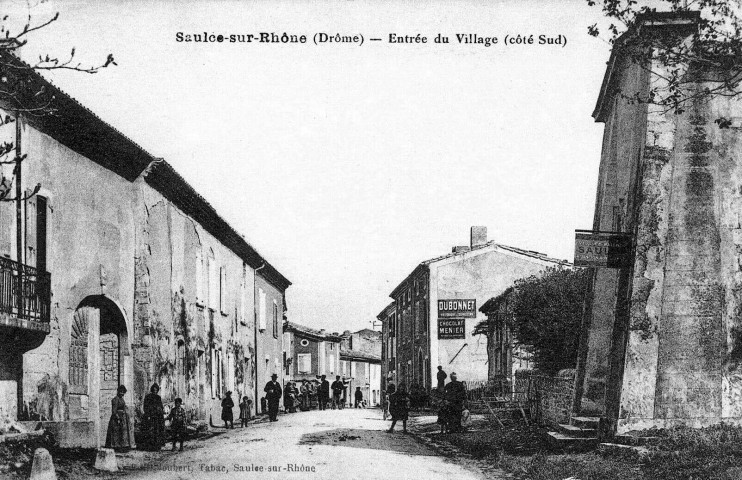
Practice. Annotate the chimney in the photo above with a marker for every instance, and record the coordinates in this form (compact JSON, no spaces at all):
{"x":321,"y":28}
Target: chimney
{"x":478,"y":236}
{"x":460,"y":249}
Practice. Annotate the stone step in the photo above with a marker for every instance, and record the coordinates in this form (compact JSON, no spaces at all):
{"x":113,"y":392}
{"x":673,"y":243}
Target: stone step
{"x":633,"y":440}
{"x":573,"y":444}
{"x":573,"y":431}
{"x":585,"y":422}
{"x":632,"y":450}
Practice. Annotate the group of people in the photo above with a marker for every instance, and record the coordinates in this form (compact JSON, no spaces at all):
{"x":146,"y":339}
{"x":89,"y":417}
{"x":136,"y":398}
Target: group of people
{"x":120,"y":432}
{"x":319,"y":392}
{"x":450,"y":401}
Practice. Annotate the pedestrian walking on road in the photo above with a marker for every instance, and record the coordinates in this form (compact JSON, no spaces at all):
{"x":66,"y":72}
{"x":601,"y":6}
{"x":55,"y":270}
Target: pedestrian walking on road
{"x":177,"y":419}
{"x":245,"y":411}
{"x":119,"y":435}
{"x":227,"y":415}
{"x":399,"y":407}
{"x":337,"y":392}
{"x":153,"y":421}
{"x":273,"y":394}
{"x":358,"y":397}
{"x":324,"y":393}
{"x":455,"y":397}
{"x":441,"y":376}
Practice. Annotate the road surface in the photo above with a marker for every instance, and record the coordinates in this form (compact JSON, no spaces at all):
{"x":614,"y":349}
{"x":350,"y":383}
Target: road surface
{"x":345,"y":444}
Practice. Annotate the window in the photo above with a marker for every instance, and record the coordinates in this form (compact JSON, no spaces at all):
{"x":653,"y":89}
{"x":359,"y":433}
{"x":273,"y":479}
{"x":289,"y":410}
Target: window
{"x":332,"y":363}
{"x":261,"y":310}
{"x":332,"y":346}
{"x":304,"y":361}
{"x":275,"y":319}
{"x":304,"y":342}
{"x":78,"y":362}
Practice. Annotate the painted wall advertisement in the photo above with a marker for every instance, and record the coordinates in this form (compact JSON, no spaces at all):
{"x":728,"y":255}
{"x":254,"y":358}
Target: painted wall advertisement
{"x":451,"y":328}
{"x":457,"y":308}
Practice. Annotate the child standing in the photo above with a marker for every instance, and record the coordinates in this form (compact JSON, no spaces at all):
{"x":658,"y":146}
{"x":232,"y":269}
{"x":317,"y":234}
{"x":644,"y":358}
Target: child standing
{"x":245,"y":411}
{"x":177,"y":419}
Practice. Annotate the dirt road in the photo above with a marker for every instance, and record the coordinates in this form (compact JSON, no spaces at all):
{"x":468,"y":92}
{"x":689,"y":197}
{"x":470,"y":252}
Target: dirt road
{"x":349,"y":444}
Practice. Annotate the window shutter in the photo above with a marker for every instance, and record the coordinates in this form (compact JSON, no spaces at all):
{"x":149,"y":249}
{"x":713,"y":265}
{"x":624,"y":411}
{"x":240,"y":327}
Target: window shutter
{"x":30,"y":212}
{"x":261,"y":311}
{"x":243,"y":294}
{"x":213,"y":374}
{"x":275,"y":319}
{"x":199,"y":277}
{"x":213,"y":284}
{"x":7,"y":224}
{"x":223,"y":289}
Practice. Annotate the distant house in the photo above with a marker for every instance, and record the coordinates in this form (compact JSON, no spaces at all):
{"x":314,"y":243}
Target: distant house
{"x":435,"y":309}
{"x":360,"y":364}
{"x":310,"y":353}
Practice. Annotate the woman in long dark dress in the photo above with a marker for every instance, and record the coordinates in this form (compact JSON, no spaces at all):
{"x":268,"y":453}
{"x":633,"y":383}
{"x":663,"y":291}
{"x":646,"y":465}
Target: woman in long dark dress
{"x":118,"y":435}
{"x":153,"y":424}
{"x":227,"y":415}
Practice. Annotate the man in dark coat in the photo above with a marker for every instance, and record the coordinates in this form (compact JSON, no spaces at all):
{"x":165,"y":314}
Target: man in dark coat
{"x":273,"y":393}
{"x":455,"y":395}
{"x":324,"y":393}
{"x":337,"y":392}
{"x":441,"y":375}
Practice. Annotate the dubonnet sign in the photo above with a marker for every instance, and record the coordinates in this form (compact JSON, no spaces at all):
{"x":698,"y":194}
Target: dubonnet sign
{"x":466,"y":308}
{"x":602,"y":249}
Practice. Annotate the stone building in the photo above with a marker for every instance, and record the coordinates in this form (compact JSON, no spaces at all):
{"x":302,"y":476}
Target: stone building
{"x":504,"y":356}
{"x":387,"y":317}
{"x":130,"y":277}
{"x":310,"y":353}
{"x":360,"y":364}
{"x":661,"y":343}
{"x":436,"y":309}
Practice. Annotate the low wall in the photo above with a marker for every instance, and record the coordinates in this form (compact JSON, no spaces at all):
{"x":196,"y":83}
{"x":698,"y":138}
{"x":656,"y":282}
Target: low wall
{"x":548,"y":396}
{"x":70,"y":434}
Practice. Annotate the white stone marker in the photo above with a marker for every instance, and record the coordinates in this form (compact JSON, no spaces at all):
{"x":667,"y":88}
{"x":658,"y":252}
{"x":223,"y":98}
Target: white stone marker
{"x":42,"y":467}
{"x":106,"y":460}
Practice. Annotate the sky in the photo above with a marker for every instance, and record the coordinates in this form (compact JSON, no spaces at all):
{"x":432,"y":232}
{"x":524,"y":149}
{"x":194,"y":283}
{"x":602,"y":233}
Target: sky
{"x":346,"y":165}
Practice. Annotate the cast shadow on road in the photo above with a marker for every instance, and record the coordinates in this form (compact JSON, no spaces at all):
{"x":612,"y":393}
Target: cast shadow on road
{"x":366,"y":439}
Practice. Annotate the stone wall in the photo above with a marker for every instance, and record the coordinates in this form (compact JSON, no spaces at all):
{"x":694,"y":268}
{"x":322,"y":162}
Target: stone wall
{"x":549,"y":397}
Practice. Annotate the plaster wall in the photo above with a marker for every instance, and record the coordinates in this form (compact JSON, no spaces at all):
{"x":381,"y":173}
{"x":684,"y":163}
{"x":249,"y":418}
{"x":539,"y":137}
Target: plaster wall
{"x":480,"y":276}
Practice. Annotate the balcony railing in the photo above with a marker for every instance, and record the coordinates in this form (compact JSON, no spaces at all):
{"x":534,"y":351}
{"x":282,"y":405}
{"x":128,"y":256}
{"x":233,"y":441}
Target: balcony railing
{"x":32,"y":300}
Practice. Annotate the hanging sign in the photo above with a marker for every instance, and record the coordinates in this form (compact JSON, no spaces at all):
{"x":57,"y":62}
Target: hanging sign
{"x":602,"y":249}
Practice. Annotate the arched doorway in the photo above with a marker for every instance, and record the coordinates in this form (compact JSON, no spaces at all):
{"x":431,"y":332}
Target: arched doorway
{"x":106,"y":350}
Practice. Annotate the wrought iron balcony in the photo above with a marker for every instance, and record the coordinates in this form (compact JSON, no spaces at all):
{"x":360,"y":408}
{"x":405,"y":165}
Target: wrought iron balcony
{"x":25,"y":294}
